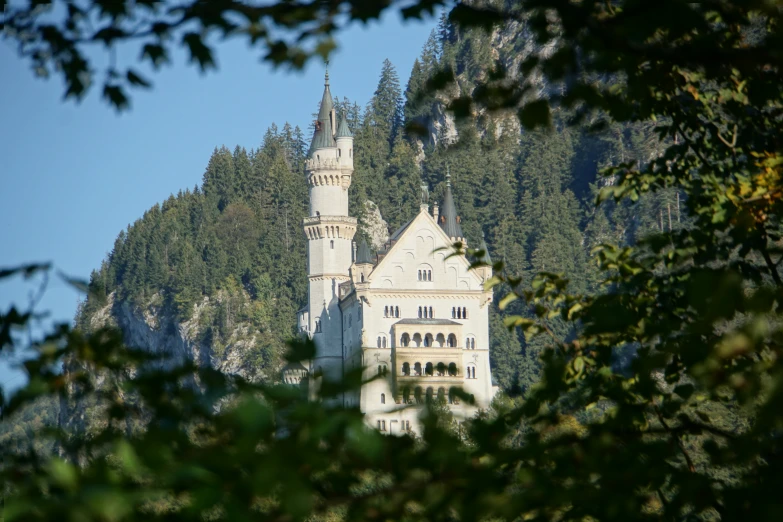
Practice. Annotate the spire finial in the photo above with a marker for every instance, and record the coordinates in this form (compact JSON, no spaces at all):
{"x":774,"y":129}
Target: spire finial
{"x":448,"y":177}
{"x":326,"y":75}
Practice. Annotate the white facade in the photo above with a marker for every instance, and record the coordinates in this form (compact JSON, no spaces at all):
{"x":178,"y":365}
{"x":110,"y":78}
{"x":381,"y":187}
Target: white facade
{"x":411,"y":314}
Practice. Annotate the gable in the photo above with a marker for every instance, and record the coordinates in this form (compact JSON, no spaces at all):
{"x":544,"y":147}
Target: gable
{"x":413,"y":262}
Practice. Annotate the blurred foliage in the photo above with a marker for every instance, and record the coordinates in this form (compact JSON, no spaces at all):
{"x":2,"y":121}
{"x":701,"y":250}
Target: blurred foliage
{"x":686,"y":428}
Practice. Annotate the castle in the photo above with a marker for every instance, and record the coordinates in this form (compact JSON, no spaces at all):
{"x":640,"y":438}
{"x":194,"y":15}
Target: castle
{"x":413,"y":316}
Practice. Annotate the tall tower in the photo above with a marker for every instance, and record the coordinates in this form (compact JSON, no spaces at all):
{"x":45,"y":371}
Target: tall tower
{"x":329,"y":231}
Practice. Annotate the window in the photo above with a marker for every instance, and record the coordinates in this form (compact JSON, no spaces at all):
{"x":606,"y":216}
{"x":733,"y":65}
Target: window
{"x":430,"y":393}
{"x":417,"y":369}
{"x":420,"y":312}
{"x":419,"y":275}
{"x":331,"y":244}
{"x":383,"y":398}
{"x":362,"y":278}
{"x":406,"y":369}
{"x":381,"y":425}
{"x":406,"y":425}
{"x":453,"y":312}
{"x":379,"y":343}
{"x":386,"y":311}
{"x":442,"y":395}
{"x":383,"y":342}
{"x":317,"y":326}
{"x":428,"y":369}
{"x":405,"y":340}
{"x":452,"y":369}
{"x":464,"y":313}
{"x":429,"y":275}
{"x":431,"y":312}
{"x":440,"y":369}
{"x":452,"y":341}
{"x":397,"y":312}
{"x":471,"y":372}
{"x":428,"y":340}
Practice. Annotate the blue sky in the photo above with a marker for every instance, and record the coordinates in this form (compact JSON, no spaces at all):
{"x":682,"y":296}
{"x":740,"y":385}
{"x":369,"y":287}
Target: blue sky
{"x":74,"y":175}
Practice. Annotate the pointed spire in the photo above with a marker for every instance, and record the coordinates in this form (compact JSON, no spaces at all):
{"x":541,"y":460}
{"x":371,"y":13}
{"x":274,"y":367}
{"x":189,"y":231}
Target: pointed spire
{"x":363,"y":256}
{"x":343,"y":131}
{"x":323,"y":126}
{"x":449,"y":220}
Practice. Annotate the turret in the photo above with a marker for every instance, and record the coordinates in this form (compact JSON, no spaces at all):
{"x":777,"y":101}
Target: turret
{"x":344,"y":140}
{"x":449,"y":221}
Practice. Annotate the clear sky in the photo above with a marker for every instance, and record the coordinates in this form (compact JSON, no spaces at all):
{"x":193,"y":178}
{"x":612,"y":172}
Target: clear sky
{"x":74,"y":175}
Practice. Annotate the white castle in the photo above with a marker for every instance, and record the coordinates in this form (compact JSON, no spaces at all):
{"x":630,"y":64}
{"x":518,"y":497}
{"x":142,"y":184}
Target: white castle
{"x":411,"y":314}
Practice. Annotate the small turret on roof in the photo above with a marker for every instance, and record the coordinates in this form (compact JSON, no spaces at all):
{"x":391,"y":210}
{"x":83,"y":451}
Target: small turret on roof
{"x":343,"y":131}
{"x":324,"y":135}
{"x":363,"y":255}
{"x":449,"y":220}
{"x":483,"y":246}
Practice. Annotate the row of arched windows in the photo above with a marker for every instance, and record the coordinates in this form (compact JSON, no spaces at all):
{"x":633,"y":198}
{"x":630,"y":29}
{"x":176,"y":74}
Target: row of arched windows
{"x":382,"y":341}
{"x":391,"y":311}
{"x":420,"y":396}
{"x":425,"y":312}
{"x":439,"y":341}
{"x":425,"y":275}
{"x":459,"y":312}
{"x":440,"y":369}
{"x":470,"y":343}
{"x":471,"y":372}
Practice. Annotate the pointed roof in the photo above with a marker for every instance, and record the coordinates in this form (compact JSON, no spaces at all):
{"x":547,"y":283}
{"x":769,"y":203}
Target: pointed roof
{"x":449,"y":220}
{"x":342,"y":128}
{"x":483,"y":246}
{"x":323,"y":126}
{"x":363,"y":255}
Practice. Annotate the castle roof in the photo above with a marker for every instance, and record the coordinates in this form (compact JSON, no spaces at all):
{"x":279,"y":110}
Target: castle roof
{"x":363,"y":254}
{"x":323,"y":136}
{"x":342,"y":128}
{"x":449,"y":220}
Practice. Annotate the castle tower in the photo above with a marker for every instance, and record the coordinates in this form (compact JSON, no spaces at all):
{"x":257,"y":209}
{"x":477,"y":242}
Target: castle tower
{"x":329,"y":231}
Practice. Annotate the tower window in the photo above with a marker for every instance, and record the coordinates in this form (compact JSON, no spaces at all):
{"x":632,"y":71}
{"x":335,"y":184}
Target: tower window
{"x":397,"y":312}
{"x":383,"y":398}
{"x":331,"y":244}
{"x":386,"y":311}
{"x":317,"y":326}
{"x":431,"y":312}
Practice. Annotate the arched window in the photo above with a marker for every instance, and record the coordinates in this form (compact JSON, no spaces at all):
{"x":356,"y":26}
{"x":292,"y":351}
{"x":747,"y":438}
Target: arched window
{"x":452,"y":341}
{"x":430,"y":393}
{"x":419,"y":275}
{"x":441,"y":340}
{"x":417,"y":394}
{"x":383,"y":342}
{"x":379,"y":343}
{"x":471,"y":372}
{"x":428,"y":340}
{"x":397,"y":312}
{"x":453,"y":399}
{"x":417,"y":369}
{"x":429,"y":275}
{"x":428,"y":369}
{"x":383,"y":398}
{"x":406,"y":369}
{"x":406,"y":395}
{"x":405,"y":340}
{"x":453,"y":312}
{"x":386,"y":311}
{"x":442,"y":395}
{"x":420,"y":312}
{"x":380,"y":370}
{"x":362,"y":278}
{"x":417,"y":340}
{"x":464,"y":313}
{"x":331,"y":244}
{"x":431,"y":316}
{"x":452,"y":369}
{"x":441,"y":369}
{"x":459,"y":313}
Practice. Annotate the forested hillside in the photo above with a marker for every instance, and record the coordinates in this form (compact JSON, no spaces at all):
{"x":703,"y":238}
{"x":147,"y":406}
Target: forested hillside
{"x":227,"y":258}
